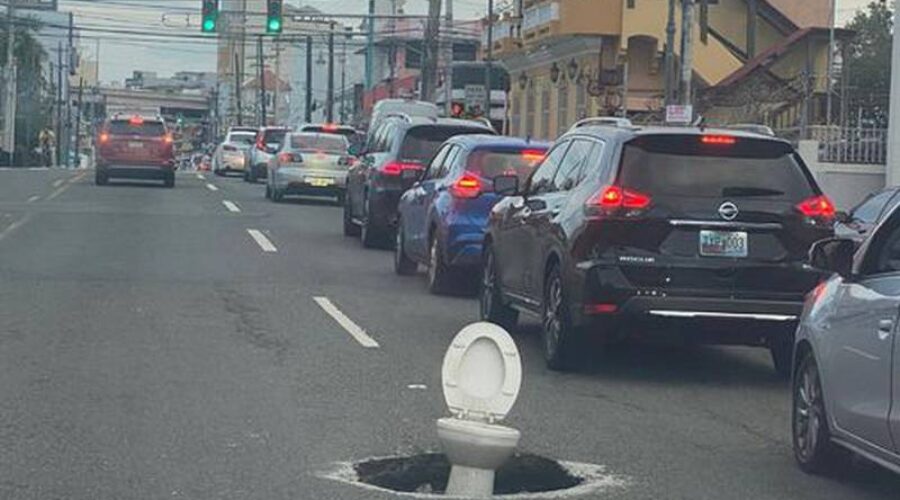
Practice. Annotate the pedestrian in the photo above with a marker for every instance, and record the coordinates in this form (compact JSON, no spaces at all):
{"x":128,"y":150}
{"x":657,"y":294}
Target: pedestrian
{"x":47,"y":139}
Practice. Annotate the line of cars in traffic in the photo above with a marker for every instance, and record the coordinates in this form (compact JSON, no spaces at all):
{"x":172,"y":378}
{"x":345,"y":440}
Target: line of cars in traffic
{"x":716,"y":236}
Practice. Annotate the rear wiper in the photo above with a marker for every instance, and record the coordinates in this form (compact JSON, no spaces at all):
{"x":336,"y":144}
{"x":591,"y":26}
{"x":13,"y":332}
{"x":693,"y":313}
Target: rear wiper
{"x":750,"y":191}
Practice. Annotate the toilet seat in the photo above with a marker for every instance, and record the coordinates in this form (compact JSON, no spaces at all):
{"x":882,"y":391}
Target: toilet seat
{"x":482,"y":373}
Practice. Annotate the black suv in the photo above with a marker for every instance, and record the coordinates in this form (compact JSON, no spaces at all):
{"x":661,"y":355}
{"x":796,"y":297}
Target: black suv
{"x":704,"y":232}
{"x":391,"y":162}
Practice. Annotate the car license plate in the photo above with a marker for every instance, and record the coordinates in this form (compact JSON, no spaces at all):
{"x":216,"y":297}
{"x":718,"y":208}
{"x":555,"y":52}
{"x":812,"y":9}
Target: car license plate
{"x":410,"y":173}
{"x":135,"y":145}
{"x":319,"y":181}
{"x":723,"y":243}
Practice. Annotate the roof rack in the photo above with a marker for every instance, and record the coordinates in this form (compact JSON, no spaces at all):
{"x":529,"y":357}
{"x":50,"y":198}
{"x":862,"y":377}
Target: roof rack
{"x":603,"y":121}
{"x":752,"y":127}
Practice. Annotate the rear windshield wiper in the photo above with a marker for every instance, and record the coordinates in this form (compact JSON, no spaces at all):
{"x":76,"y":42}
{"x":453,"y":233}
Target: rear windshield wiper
{"x":750,"y":191}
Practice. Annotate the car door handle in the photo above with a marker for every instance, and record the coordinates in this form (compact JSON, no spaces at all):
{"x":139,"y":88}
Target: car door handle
{"x":885,"y":328}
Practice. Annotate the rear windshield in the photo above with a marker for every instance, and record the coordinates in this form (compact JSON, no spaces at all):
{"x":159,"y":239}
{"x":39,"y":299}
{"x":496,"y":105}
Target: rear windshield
{"x":682,"y":165}
{"x":346,"y":132}
{"x":422,"y":143}
{"x":145,"y":128}
{"x":274,"y":136}
{"x":242,"y":138}
{"x":490,"y":164}
{"x":329,"y":143}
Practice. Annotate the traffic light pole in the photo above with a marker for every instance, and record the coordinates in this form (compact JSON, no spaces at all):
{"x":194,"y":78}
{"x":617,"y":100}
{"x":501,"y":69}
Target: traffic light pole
{"x":237,"y":89}
{"x":308,"y":110}
{"x":263,"y":112}
{"x":329,"y":98}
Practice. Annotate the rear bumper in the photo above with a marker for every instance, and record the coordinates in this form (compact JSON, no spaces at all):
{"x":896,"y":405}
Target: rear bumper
{"x":232,"y":163}
{"x":137,"y":171}
{"x":304,"y":182}
{"x":465,"y":243}
{"x":698,"y":308}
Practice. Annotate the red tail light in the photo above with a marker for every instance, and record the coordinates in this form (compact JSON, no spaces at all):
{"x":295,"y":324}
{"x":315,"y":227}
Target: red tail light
{"x":719,"y":140}
{"x":618,"y":197}
{"x":329,"y":127}
{"x":261,"y":143}
{"x":104,"y":138}
{"x":818,"y":207}
{"x":591,"y":309}
{"x":532,"y":156}
{"x":397,"y":168}
{"x":468,"y":186}
{"x":136,"y":120}
{"x":168,"y":139}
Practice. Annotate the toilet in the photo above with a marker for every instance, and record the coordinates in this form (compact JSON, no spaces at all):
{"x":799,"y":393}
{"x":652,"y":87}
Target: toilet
{"x":481,"y":377}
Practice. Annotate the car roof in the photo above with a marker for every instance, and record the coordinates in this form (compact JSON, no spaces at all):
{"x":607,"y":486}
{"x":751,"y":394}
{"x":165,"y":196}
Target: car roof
{"x":418,"y":121}
{"x":317,"y":134}
{"x":486,"y":141}
{"x":624,"y":134}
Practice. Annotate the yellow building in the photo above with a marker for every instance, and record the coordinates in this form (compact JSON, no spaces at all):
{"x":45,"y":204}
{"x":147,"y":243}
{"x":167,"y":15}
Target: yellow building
{"x":570,"y":59}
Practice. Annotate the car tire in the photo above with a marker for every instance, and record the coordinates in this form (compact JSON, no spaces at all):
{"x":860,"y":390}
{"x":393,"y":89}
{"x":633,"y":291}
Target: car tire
{"x":268,"y":192}
{"x":560,"y":339}
{"x":403,"y":265}
{"x":277,"y":195}
{"x":371,"y":235}
{"x":781,"y":347}
{"x":169,"y":181}
{"x":350,"y":228}
{"x":101,"y":178}
{"x":490,"y":300}
{"x":438,"y":273}
{"x":814,"y":451}
{"x":251,"y":175}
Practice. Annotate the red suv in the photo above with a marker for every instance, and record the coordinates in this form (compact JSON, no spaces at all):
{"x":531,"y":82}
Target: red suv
{"x":135,"y":147}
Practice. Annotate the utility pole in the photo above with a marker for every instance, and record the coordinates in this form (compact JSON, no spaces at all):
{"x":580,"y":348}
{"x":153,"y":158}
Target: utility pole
{"x":329,"y":97}
{"x":78,"y":123}
{"x":448,"y":65}
{"x":429,"y":65}
{"x":489,"y":60}
{"x":59,"y":102}
{"x":70,"y":59}
{"x":237,"y":89}
{"x":893,"y":153}
{"x":829,"y":87}
{"x":277,"y":82}
{"x":11,"y":83}
{"x":370,"y":46}
{"x":670,"y":56}
{"x":262,"y":81}
{"x":687,"y":51}
{"x":309,"y":82}
{"x":344,"y":80}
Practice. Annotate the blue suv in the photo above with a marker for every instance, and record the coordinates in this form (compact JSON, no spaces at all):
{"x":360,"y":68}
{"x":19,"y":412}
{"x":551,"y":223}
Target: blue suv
{"x":442,"y":218}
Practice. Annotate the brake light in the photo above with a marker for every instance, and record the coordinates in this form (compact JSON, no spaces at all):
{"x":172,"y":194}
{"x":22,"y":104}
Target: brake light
{"x":397,"y":168}
{"x":329,"y":127}
{"x":532,"y":156}
{"x":719,"y":140}
{"x":104,"y":137}
{"x":592,"y":309}
{"x":618,"y":197}
{"x":467,"y":186}
{"x":136,"y":120}
{"x":261,"y":144}
{"x":817,"y":206}
{"x":168,"y":139}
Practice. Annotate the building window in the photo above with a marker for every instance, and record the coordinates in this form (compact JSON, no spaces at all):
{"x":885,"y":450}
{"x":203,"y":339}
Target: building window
{"x":529,"y":112}
{"x":580,"y":103}
{"x":630,"y":4}
{"x":545,"y":113}
{"x":562,"y":111}
{"x":515,"y":116}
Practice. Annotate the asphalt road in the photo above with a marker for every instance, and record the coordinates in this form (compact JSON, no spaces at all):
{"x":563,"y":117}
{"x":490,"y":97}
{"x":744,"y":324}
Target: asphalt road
{"x":151,"y":348}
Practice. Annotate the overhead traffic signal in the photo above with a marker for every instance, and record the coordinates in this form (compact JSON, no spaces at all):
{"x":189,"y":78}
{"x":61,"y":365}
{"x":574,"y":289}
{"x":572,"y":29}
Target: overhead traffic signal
{"x":210,"y":16}
{"x":274,"y":16}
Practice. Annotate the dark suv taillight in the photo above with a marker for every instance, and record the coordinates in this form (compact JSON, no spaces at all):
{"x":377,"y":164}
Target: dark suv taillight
{"x":617,"y":201}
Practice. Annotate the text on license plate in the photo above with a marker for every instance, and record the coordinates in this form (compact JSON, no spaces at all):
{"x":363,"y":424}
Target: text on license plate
{"x":723,"y":243}
{"x":135,"y":145}
{"x":319,"y":181}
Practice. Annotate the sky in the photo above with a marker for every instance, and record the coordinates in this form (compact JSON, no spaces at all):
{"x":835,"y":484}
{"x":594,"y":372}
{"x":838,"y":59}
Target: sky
{"x":121,"y":55}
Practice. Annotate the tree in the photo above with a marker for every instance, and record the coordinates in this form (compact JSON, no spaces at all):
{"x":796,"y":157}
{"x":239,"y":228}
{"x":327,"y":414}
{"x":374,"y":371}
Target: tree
{"x":868,"y":63}
{"x":33,"y":100}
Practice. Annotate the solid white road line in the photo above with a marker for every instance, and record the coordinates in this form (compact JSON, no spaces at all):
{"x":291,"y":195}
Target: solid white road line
{"x":34,"y":199}
{"x":262,"y":241}
{"x":211,"y":187}
{"x":231,"y":206}
{"x":346,"y":323}
{"x":58,"y":182}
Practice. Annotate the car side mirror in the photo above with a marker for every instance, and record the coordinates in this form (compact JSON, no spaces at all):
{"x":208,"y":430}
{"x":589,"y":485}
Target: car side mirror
{"x":843,"y":217}
{"x":833,"y":254}
{"x":356,"y":150}
{"x":506,"y":185}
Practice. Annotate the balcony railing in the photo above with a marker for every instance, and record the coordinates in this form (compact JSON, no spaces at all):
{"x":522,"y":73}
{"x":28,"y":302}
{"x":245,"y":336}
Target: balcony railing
{"x":540,"y":15}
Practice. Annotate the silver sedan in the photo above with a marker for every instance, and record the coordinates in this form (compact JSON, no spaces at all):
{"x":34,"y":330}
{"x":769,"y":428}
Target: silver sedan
{"x":310,"y":164}
{"x":847,"y":357}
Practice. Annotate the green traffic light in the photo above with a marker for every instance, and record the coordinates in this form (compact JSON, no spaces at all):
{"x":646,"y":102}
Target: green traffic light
{"x":209,"y":25}
{"x":274,"y":25}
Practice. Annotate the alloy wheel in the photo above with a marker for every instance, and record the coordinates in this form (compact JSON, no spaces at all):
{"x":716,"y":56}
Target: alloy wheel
{"x":552,"y":317}
{"x":808,"y":411}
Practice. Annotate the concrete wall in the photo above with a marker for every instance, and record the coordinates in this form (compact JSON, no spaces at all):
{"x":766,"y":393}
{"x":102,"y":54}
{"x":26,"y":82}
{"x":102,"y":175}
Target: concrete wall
{"x":845,"y":184}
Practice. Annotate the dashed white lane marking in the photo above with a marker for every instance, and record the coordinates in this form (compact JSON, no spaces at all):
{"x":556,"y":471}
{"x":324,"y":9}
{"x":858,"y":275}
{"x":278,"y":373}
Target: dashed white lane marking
{"x":231,"y":206}
{"x":211,"y":187}
{"x":200,"y":176}
{"x":34,"y":199}
{"x":262,"y":241}
{"x":417,"y":387}
{"x":346,"y":323}
{"x":35,"y":169}
{"x":58,"y":182}
{"x":12,"y":227}
{"x":58,"y":192}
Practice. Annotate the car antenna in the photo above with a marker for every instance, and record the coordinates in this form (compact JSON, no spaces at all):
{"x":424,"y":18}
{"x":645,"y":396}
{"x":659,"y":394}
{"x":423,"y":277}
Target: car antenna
{"x":700,"y":122}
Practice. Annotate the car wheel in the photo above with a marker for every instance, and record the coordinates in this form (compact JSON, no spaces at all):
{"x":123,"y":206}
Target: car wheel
{"x":559,"y":337}
{"x":491,"y":298}
{"x":438,"y":274}
{"x":251,"y":175}
{"x":169,"y":181}
{"x":813,"y":449}
{"x":350,"y":229}
{"x":372,"y":236}
{"x":101,"y":178}
{"x":781,"y":347}
{"x":268,"y":192}
{"x":403,"y":265}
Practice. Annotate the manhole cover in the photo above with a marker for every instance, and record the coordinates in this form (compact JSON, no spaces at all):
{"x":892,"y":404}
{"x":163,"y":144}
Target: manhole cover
{"x":524,"y":475}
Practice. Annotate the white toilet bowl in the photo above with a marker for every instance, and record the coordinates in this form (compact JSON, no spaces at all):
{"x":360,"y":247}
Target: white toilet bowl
{"x":481,"y":376}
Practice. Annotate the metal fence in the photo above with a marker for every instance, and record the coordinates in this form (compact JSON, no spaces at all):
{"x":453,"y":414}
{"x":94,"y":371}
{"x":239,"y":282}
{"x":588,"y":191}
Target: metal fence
{"x":860,"y":145}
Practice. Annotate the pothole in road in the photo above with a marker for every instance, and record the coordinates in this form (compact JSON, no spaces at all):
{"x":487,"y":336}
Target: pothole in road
{"x":524,"y":476}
